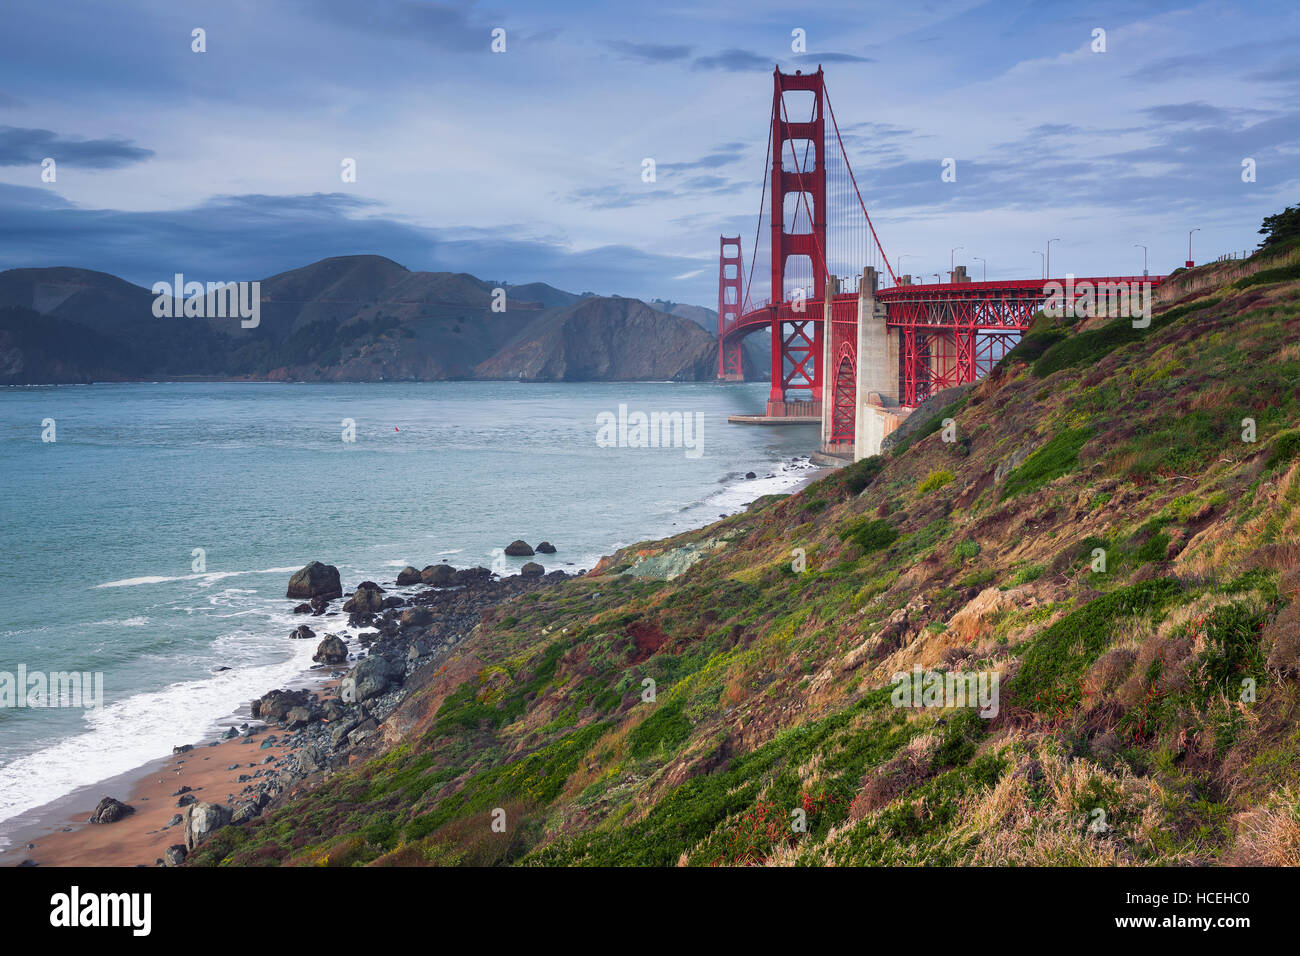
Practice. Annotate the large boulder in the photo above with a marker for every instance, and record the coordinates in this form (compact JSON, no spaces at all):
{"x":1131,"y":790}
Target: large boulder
{"x":546,"y":548}
{"x":332,"y":650}
{"x":311,"y":759}
{"x":368,"y":598}
{"x":472,"y":576}
{"x":302,"y":633}
{"x":175,"y":854}
{"x":201,"y":820}
{"x":275,"y":705}
{"x":408,"y":575}
{"x":110,"y":810}
{"x":370,"y":678}
{"x":519,"y":549}
{"x":438,"y":574}
{"x":532,"y":570}
{"x":416,"y":617}
{"x":316,"y":580}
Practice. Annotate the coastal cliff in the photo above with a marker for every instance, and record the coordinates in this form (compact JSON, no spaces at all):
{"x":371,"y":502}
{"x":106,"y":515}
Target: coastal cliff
{"x":1101,"y":548}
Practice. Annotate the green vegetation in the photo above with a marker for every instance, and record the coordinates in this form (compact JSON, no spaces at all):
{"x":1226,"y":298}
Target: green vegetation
{"x":870,"y":534}
{"x":933,"y":481}
{"x":1159,"y":686}
{"x":1281,"y":227}
{"x":1059,"y":456}
{"x":1053,"y":665}
{"x":1088,"y":348}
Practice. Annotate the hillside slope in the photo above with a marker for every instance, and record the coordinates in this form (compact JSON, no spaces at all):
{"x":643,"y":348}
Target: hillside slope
{"x":1099,"y":534}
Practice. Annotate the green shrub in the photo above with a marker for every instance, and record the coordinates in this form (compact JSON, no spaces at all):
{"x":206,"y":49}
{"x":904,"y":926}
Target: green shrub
{"x":965,"y":550}
{"x":870,"y":534}
{"x":1058,"y":457}
{"x":1027,"y":574}
{"x":857,"y":476}
{"x":666,"y":727}
{"x":1284,"y":448}
{"x":936,"y":479}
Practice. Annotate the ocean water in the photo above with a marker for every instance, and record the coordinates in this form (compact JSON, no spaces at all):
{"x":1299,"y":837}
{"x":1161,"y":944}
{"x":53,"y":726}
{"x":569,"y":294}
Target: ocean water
{"x":98,"y":528}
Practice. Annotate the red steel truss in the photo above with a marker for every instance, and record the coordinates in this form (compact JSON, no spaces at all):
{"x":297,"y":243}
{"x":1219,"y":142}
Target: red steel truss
{"x":954,"y":333}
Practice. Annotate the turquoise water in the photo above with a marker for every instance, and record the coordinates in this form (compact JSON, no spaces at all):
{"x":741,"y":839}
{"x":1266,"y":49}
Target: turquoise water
{"x":98,"y":528}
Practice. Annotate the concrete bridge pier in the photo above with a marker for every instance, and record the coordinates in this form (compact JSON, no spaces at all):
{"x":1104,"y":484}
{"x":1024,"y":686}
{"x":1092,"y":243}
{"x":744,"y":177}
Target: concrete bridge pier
{"x":878,"y":409}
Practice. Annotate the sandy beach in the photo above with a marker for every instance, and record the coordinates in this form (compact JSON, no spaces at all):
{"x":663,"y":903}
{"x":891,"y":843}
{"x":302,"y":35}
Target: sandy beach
{"x":58,"y":834}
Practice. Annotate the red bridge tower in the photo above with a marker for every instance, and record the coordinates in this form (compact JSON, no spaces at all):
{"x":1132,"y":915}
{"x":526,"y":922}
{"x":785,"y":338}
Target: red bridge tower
{"x":730,"y":282}
{"x":797,"y":342}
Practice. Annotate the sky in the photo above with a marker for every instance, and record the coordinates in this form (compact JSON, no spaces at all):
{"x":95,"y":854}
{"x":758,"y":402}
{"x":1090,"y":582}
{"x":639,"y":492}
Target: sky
{"x":526,"y":165}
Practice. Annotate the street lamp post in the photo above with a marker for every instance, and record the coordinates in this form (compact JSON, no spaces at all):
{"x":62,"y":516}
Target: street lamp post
{"x":1189,"y":246}
{"x":951,"y":266}
{"x":986,"y":267}
{"x":904,"y":256}
{"x":1047,"y":266}
{"x":937,"y":278}
{"x":1042,"y":264}
{"x":1138,"y":245}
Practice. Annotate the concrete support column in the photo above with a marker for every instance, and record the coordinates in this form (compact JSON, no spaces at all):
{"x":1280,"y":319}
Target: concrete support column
{"x":877,"y":412}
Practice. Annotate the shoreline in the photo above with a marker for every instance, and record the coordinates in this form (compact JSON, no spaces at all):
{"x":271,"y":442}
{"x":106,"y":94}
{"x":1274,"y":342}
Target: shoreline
{"x":58,"y":833}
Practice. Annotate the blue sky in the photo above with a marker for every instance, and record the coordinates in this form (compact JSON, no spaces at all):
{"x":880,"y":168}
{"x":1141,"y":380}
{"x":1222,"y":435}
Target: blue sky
{"x":526,"y":165}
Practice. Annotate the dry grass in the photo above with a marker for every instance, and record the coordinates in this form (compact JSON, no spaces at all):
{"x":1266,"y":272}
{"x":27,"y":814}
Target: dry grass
{"x":1269,"y":835}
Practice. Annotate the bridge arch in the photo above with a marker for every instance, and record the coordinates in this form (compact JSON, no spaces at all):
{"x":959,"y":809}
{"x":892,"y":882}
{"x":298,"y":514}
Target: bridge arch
{"x":844,"y":398}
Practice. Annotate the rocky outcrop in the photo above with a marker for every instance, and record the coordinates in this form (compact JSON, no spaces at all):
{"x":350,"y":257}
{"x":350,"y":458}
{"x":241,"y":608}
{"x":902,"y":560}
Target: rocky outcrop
{"x":110,"y":810}
{"x":273,"y":706}
{"x":332,"y":650}
{"x":546,"y":548}
{"x":367,"y":599}
{"x":315,"y":580}
{"x":438,"y":575}
{"x":519,"y":549}
{"x":368,"y":679}
{"x":532,"y":570}
{"x":201,"y":820}
{"x":408,"y":576}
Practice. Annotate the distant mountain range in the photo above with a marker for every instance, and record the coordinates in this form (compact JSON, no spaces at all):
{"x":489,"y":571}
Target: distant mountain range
{"x":351,"y":318}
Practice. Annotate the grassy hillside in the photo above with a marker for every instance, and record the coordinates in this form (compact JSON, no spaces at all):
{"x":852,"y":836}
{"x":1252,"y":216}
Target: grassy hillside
{"x":1099,"y":533}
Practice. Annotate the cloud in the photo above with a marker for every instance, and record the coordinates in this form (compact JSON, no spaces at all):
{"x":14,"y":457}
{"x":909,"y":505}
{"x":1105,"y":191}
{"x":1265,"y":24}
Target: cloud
{"x":254,"y":236}
{"x":20,"y":147}
{"x":1199,"y":112}
{"x":734,"y":61}
{"x":724,"y":155}
{"x":1224,"y":60}
{"x":743,"y":61}
{"x":651,"y":52}
{"x":831,"y":58}
{"x":442,"y":26}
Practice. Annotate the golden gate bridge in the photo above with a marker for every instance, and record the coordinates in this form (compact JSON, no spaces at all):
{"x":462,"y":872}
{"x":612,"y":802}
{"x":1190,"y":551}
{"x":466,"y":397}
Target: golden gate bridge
{"x":855,"y":345}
